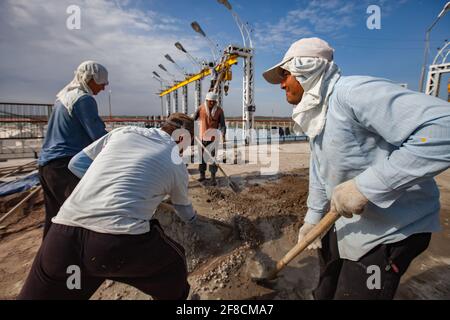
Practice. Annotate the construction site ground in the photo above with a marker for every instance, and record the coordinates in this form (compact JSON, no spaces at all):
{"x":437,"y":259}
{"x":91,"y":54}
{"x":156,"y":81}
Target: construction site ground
{"x":236,"y":235}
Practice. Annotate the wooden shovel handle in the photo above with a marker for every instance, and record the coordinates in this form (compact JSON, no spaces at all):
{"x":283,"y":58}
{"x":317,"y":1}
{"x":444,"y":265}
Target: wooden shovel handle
{"x":320,"y":228}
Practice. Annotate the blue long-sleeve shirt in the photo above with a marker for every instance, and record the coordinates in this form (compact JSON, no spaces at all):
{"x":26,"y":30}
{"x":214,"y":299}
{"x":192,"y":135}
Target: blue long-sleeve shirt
{"x":69,"y":134}
{"x":392,"y":141}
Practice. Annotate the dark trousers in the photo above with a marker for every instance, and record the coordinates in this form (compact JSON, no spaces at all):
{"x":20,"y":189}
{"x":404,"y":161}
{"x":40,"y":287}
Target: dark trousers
{"x":202,"y":165}
{"x":151,"y":262}
{"x":343,"y":279}
{"x":57,"y":182}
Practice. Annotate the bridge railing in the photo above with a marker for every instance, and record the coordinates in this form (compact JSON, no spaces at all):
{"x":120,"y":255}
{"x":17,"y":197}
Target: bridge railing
{"x":23,"y":127}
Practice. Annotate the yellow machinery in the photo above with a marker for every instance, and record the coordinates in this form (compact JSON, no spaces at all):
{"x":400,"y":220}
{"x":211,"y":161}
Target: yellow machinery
{"x":222,"y":67}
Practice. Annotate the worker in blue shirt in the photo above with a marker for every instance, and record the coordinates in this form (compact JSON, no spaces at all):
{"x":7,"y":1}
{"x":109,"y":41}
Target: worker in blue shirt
{"x":73,"y":125}
{"x":375,"y":148}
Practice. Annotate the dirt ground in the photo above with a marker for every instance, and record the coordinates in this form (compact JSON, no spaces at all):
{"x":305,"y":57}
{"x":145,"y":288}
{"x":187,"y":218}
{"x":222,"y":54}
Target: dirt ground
{"x":237,"y":234}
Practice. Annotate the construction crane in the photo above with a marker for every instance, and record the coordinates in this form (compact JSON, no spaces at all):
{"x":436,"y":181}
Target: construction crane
{"x":223,"y":73}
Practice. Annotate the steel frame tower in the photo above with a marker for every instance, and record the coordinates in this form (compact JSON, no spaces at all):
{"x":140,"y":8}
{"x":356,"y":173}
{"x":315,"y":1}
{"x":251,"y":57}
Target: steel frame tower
{"x":168,"y":105}
{"x":175,"y":101}
{"x":439,"y":66}
{"x":198,"y":94}
{"x":184,"y":101}
{"x":248,"y":87}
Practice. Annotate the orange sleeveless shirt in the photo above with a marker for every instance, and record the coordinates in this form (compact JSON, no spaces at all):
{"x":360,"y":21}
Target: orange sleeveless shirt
{"x":208,"y":122}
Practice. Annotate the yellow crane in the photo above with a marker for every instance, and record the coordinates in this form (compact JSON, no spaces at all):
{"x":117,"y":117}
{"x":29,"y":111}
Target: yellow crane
{"x":221,"y":67}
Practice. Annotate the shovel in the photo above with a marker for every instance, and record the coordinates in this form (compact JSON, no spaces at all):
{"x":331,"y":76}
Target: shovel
{"x":232,"y":185}
{"x":322,"y":227}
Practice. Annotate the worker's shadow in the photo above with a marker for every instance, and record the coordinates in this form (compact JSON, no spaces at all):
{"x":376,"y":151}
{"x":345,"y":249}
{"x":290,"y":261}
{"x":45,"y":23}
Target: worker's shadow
{"x":433,"y":283}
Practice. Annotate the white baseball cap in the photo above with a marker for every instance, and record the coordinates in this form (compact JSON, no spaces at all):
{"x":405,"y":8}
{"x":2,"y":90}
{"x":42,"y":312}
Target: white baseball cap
{"x":306,"y":47}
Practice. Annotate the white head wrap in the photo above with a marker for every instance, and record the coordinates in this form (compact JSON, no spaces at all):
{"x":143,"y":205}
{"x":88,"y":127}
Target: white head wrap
{"x":211,"y":96}
{"x":317,"y":76}
{"x":78,"y":87}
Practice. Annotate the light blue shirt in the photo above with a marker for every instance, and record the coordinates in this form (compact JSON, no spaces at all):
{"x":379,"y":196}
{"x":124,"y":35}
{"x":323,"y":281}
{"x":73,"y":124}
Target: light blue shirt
{"x":392,"y":141}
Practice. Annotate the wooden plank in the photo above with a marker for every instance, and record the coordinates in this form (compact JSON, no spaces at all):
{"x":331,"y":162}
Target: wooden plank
{"x":22,"y":204}
{"x":19,"y":168}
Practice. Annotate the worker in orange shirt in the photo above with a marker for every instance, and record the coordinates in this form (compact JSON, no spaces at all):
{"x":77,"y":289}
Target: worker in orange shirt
{"x":212,"y":123}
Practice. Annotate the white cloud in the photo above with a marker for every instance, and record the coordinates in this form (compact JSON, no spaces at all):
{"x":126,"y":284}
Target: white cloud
{"x":317,"y":17}
{"x":39,"y":54}
{"x":311,"y":18}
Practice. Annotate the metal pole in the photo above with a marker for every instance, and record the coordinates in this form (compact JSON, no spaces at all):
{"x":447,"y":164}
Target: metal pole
{"x":168,"y":101}
{"x":175,"y":101}
{"x":425,"y":56}
{"x":220,"y":93}
{"x":162,"y":102}
{"x":184,"y":102}
{"x":198,"y":94}
{"x":248,"y":107}
{"x":109,"y":100}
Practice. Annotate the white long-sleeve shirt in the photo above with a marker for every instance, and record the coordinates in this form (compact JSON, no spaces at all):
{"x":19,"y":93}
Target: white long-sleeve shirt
{"x":133,"y":169}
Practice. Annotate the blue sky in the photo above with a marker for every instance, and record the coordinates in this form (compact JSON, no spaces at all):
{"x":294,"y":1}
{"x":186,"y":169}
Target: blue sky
{"x":38,"y":53}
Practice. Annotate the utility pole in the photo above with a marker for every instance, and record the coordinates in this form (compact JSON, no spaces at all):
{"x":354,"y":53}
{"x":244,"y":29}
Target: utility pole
{"x":110,"y":109}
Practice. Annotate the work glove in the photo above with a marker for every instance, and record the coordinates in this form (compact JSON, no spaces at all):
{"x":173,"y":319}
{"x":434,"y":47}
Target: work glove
{"x":347,"y":200}
{"x":304,"y":229}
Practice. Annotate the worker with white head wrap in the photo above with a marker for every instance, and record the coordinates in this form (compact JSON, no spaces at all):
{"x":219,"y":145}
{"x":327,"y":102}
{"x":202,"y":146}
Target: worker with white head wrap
{"x":212,"y":126}
{"x":73,"y":125}
{"x":375,"y":148}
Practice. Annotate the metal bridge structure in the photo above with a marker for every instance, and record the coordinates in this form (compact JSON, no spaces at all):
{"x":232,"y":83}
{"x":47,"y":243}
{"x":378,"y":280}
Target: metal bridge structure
{"x":440,"y":66}
{"x":23,"y":127}
{"x":220,"y":74}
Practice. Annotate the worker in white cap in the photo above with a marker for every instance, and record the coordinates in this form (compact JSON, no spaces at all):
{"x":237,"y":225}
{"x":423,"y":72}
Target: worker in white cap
{"x":212,"y":126}
{"x":375,"y":148}
{"x":73,"y":125}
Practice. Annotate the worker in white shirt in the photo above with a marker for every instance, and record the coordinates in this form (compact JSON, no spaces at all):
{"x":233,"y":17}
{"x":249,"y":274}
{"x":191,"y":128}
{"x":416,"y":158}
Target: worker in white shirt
{"x":105,"y":228}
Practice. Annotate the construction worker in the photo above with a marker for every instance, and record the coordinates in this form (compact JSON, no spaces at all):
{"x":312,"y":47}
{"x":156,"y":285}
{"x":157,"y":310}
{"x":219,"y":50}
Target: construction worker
{"x":105,"y":228}
{"x":375,"y":148}
{"x":212,"y":121}
{"x":73,"y":125}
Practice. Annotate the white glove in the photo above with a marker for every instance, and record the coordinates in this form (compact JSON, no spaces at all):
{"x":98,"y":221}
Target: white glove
{"x":317,"y":244}
{"x":347,"y":200}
